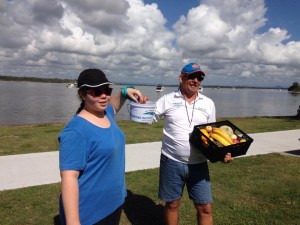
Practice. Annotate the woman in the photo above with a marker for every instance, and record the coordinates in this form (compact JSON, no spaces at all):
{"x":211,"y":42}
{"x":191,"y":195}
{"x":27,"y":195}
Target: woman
{"x":92,"y":154}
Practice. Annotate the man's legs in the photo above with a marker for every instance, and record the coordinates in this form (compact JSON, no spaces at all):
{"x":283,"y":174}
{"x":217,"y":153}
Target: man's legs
{"x":171,"y":183}
{"x":204,"y":214}
{"x":198,"y":185}
{"x":171,"y":212}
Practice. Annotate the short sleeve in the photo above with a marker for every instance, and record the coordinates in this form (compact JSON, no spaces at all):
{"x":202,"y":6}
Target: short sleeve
{"x":72,"y":150}
{"x":159,"y":109}
{"x":212,"y":117}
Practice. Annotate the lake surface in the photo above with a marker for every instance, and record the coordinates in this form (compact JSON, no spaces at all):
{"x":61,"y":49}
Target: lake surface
{"x":32,"y":102}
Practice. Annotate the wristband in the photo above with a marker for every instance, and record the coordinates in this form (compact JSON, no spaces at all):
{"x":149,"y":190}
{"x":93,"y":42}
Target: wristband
{"x":124,"y":91}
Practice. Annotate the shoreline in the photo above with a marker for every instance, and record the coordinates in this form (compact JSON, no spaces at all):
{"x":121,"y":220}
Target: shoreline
{"x":121,"y":120}
{"x":66,"y":81}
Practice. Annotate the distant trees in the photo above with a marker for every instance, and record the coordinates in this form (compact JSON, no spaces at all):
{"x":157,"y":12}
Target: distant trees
{"x":34,"y":79}
{"x":294,"y":87}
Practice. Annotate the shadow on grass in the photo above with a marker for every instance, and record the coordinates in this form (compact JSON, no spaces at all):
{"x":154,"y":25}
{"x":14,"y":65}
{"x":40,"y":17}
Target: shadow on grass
{"x":294,"y":152}
{"x":56,"y":220}
{"x":141,"y":210}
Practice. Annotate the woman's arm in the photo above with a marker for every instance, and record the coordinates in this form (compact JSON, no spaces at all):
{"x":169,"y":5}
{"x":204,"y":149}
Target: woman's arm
{"x":70,"y":196}
{"x":117,"y":101}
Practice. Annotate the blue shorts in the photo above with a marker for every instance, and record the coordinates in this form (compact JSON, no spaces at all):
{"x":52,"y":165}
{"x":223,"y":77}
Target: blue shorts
{"x":174,"y":175}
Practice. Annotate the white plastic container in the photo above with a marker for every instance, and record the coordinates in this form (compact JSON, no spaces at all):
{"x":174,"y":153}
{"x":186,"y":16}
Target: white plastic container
{"x":141,"y":113}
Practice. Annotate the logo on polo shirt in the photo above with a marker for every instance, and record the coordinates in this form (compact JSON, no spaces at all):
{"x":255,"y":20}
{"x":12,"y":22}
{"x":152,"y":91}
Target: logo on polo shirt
{"x":177,"y":105}
{"x":201,"y":109}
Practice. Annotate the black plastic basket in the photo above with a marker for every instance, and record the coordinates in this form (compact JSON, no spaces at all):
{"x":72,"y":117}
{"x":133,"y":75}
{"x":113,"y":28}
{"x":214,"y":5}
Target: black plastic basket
{"x":215,"y":153}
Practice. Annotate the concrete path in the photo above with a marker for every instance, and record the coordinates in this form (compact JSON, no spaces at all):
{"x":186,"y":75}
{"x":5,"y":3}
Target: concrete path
{"x":17,"y":171}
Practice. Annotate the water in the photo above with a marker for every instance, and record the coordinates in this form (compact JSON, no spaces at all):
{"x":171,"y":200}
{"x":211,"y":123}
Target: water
{"x":31,"y":102}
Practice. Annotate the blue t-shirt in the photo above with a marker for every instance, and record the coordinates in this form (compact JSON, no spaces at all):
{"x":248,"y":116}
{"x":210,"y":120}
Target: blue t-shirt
{"x":99,"y":155}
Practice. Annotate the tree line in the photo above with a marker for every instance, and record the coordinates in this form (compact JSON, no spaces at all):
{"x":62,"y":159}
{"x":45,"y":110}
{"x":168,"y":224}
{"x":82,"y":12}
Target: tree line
{"x":35,"y":79}
{"x":294,"y":87}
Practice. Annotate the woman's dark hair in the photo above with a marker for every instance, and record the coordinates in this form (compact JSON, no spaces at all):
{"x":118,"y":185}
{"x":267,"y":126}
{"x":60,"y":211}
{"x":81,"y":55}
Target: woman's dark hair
{"x":80,"y":91}
{"x":80,"y":107}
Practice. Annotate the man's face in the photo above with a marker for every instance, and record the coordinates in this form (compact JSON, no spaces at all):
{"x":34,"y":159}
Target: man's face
{"x":190,"y":84}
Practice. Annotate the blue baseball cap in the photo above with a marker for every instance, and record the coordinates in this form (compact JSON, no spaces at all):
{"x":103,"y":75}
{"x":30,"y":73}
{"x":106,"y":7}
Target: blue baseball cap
{"x":192,"y":68}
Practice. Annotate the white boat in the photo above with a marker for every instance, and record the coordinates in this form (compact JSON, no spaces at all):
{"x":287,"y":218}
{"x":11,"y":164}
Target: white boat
{"x":200,"y":89}
{"x":159,"y":88}
{"x":71,"y":85}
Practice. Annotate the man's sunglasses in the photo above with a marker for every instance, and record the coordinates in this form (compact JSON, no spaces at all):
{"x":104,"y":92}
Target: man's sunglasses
{"x":96,"y":92}
{"x":192,"y":76}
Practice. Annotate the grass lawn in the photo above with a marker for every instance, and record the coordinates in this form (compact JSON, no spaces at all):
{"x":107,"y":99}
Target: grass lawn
{"x":43,"y":137}
{"x":260,"y":190}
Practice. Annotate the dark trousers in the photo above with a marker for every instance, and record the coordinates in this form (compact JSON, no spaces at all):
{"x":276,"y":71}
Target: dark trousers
{"x":112,"y":219}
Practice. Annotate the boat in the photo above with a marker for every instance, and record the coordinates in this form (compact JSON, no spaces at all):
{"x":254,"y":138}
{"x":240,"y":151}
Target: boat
{"x":159,"y":88}
{"x":200,"y":89}
{"x":71,"y":84}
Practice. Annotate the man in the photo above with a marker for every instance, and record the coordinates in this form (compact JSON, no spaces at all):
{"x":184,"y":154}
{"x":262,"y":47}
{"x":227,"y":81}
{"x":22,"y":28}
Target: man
{"x":181,"y":164}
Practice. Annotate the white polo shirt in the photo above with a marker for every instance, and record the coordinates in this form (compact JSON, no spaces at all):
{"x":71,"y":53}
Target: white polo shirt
{"x":177,"y":115}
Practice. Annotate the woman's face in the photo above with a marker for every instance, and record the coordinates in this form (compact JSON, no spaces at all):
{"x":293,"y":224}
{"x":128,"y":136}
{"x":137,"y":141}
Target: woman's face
{"x":96,"y":99}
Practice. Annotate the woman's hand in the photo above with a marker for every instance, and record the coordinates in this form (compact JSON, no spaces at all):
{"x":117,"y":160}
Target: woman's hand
{"x":136,"y":95}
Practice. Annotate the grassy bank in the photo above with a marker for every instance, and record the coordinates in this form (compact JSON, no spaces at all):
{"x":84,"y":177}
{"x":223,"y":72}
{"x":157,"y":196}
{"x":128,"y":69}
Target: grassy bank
{"x":260,"y":190}
{"x":43,"y":137}
{"x":252,"y":190}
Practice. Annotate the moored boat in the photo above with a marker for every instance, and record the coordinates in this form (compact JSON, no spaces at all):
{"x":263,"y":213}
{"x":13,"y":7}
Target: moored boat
{"x":71,"y":85}
{"x":159,"y":88}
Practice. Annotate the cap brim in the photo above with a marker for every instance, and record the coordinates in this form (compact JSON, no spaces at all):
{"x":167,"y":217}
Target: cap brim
{"x":98,"y":85}
{"x":200,"y":72}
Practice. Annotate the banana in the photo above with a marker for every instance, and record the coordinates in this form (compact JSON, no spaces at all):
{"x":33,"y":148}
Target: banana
{"x":223,"y":134}
{"x":204,"y":132}
{"x":203,"y":138}
{"x":220,"y":139}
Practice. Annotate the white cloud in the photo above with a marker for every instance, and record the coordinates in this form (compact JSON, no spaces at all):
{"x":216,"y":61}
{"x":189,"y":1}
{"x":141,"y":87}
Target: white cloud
{"x":201,"y":30}
{"x":226,"y":33}
{"x":130,"y":41}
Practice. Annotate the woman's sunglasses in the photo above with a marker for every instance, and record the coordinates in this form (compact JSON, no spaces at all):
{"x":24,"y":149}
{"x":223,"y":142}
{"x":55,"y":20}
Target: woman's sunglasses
{"x":96,"y":92}
{"x":192,"y":76}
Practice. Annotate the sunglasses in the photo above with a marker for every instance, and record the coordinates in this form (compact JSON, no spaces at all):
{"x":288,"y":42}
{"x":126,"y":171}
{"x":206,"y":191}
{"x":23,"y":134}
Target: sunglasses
{"x":192,"y":76}
{"x":100,"y":91}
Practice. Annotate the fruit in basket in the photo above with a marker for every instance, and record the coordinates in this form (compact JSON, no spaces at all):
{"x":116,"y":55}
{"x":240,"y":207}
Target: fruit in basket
{"x":218,"y":143}
{"x":204,"y":132}
{"x":227,"y":129}
{"x":208,"y":129}
{"x":220,"y":139}
{"x":234,"y":137}
{"x":204,"y":139}
{"x":222,"y":134}
{"x":235,"y":141}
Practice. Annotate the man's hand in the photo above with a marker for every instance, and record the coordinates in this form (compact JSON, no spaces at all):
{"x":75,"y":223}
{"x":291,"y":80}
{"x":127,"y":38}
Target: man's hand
{"x":227,"y":158}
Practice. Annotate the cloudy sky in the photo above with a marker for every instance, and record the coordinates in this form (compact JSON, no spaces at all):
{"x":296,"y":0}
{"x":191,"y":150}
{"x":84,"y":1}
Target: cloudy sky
{"x":237,"y":42}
